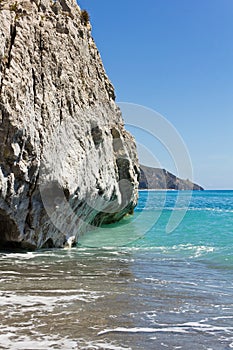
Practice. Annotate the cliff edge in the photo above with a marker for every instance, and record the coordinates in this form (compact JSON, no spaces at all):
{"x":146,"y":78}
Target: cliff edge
{"x":66,"y":161}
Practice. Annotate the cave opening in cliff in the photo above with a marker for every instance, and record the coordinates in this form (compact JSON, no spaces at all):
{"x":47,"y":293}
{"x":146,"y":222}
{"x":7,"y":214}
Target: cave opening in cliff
{"x":9,"y":234}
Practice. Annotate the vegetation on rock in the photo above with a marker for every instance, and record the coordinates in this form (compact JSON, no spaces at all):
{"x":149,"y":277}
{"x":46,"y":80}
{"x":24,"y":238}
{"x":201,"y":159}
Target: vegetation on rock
{"x":85,"y":18}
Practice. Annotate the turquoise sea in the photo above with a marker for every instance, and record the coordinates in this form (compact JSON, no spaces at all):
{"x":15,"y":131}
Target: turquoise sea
{"x":154,"y":281}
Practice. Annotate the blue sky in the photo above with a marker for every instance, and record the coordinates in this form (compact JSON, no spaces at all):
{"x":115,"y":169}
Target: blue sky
{"x":176,"y":57}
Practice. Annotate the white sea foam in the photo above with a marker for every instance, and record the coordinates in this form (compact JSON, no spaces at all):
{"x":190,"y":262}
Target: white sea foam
{"x":24,"y":256}
{"x":179,"y":328}
{"x":9,"y":273}
{"x":47,"y":302}
{"x":10,"y":341}
{"x":101,"y":346}
{"x":154,"y":208}
{"x":222,"y":318}
{"x":142,"y":330}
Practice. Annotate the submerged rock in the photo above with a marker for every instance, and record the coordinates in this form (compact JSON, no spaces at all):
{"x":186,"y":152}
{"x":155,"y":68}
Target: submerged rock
{"x":66,"y":161}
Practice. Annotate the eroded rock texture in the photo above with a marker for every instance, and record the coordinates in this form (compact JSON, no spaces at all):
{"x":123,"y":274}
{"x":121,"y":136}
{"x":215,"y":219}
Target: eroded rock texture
{"x":66,"y":160}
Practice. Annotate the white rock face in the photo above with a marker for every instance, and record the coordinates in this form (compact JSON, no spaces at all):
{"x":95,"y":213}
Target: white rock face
{"x":66,"y":161}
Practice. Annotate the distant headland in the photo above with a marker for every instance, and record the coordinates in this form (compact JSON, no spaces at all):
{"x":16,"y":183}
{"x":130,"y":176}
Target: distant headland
{"x":156,"y":178}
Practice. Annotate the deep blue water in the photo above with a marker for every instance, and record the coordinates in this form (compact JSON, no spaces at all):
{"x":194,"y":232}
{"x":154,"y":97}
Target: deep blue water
{"x":162,"y":279}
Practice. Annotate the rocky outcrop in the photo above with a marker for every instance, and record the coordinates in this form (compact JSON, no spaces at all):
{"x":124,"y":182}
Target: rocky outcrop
{"x":66,"y":161}
{"x":156,"y":178}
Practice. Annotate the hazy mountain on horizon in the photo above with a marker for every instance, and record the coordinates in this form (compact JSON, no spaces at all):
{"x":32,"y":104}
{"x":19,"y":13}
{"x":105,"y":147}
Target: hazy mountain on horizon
{"x":156,"y":178}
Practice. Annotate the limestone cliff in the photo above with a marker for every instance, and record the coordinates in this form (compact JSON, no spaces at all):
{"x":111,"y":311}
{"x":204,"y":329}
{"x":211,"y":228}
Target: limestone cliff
{"x":156,"y":178}
{"x":66,"y":161}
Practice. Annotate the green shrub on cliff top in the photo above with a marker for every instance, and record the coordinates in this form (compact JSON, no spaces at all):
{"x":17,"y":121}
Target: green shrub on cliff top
{"x":85,"y":18}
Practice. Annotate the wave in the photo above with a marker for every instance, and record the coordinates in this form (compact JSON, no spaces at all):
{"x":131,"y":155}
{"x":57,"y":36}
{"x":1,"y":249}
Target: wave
{"x":179,"y":328}
{"x":216,"y":210}
{"x":165,"y":208}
